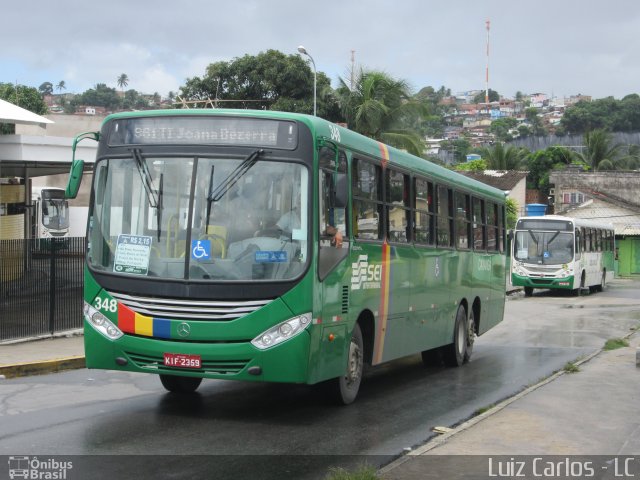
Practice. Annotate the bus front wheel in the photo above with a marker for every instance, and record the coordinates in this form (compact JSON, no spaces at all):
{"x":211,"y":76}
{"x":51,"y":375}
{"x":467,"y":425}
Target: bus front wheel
{"x":528,"y":291}
{"x":344,"y":390}
{"x":454,"y":353}
{"x":176,"y":384}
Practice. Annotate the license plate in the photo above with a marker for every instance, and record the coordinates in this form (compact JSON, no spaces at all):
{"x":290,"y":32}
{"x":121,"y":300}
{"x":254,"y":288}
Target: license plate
{"x":182,"y":360}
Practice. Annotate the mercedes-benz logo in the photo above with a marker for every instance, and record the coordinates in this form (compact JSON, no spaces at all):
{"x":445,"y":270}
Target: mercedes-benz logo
{"x":184,"y":329}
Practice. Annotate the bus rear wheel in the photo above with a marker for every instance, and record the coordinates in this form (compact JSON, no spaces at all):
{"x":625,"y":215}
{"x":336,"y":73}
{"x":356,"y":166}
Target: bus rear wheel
{"x":176,"y":384}
{"x":454,"y":353}
{"x":344,"y":390}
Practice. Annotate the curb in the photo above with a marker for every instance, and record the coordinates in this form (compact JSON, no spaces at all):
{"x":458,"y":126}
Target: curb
{"x":439,"y":440}
{"x":42,"y":367}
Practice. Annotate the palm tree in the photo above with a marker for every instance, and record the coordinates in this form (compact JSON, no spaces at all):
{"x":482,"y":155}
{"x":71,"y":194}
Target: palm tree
{"x":123,"y":81}
{"x":500,"y":158}
{"x":377,"y":106}
{"x":599,"y":152}
{"x":61,"y":86}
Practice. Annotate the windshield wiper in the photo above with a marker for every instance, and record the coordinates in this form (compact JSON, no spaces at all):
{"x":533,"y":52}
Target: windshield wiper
{"x":234,"y":176}
{"x":153,"y":196}
{"x":159,"y":207}
{"x":145,"y":176}
{"x":209,"y":195}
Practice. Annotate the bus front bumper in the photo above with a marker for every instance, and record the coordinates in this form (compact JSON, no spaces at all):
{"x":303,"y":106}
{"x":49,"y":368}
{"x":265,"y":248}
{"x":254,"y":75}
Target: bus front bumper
{"x":559,"y":283}
{"x":286,"y":362}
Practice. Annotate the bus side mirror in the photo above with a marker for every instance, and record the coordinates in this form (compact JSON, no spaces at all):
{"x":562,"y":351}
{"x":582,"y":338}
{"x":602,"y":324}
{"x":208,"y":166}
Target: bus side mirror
{"x":75,"y":179}
{"x":340,"y":193}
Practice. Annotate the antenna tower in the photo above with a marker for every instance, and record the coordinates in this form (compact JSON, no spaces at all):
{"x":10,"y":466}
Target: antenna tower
{"x":486,"y":90}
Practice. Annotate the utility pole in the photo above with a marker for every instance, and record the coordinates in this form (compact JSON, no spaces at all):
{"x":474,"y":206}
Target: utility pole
{"x":353,"y":68}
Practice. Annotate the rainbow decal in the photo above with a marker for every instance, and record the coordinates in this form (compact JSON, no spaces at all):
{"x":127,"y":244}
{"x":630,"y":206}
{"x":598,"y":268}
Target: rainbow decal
{"x":384,"y":153}
{"x":133,"y":322}
{"x":385,"y":299}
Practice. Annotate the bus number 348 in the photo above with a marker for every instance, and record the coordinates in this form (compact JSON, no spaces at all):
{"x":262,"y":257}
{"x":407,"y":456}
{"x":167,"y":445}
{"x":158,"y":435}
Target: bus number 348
{"x":106,"y":304}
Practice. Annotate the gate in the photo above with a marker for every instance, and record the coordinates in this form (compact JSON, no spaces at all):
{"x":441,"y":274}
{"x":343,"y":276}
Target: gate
{"x":41,"y":282}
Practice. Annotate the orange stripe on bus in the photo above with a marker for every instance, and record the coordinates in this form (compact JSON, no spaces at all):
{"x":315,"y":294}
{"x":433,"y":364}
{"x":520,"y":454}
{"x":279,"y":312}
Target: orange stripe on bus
{"x":384,"y":302}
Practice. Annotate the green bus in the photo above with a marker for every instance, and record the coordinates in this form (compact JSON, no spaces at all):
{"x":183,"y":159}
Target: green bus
{"x":279,"y":247}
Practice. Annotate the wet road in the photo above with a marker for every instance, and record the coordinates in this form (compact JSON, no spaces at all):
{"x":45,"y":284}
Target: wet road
{"x":281,"y":430}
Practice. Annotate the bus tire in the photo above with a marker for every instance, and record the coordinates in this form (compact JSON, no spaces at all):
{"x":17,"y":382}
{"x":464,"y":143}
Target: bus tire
{"x":578,"y":291}
{"x":528,"y":291}
{"x":344,"y":389}
{"x":177,"y":384}
{"x":603,"y":281}
{"x":454,"y":352}
{"x":471,"y":336}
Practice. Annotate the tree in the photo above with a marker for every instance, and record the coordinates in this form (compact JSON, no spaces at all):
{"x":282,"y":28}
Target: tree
{"x":61,"y":86}
{"x":501,"y":127}
{"x":46,"y":88}
{"x":501,"y":158}
{"x":599,"y":152}
{"x":535,"y":122}
{"x":493,"y":97}
{"x":123,"y":81}
{"x":542,"y":162}
{"x":270,"y":80}
{"x":460,"y":148}
{"x":381,"y":107}
{"x":99,"y":96}
{"x":512,"y":213}
{"x":472,"y":166}
{"x":28,"y":98}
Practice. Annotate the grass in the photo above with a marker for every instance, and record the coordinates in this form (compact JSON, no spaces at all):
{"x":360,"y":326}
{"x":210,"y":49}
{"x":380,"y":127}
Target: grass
{"x":615,"y":343}
{"x":362,"y":473}
{"x":571,"y":367}
{"x":481,"y":410}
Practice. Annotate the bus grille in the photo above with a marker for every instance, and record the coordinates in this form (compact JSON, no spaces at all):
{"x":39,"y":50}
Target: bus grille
{"x":180,"y":309}
{"x":218,"y":367}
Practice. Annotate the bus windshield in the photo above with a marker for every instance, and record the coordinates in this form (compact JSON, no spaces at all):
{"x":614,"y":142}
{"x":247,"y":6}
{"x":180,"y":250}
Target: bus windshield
{"x":208,"y":219}
{"x":543,"y":248}
{"x":55,"y":210}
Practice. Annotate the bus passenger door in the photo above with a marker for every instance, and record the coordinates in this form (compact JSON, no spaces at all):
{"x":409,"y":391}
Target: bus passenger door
{"x":333,"y":273}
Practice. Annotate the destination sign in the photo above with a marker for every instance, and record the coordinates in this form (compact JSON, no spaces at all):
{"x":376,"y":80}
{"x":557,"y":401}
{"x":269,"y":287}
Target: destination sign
{"x":548,"y":225}
{"x":204,"y":130}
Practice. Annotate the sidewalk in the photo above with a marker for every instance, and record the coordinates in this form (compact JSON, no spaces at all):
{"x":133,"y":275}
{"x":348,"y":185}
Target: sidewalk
{"x":41,"y":356}
{"x":591,"y":412}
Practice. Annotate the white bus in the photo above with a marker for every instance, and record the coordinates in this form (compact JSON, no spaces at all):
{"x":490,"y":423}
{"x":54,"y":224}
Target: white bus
{"x":50,"y":213}
{"x":562,"y":253}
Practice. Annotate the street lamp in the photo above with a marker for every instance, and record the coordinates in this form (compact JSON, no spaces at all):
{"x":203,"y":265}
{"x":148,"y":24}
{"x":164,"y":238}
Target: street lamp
{"x":303,"y":51}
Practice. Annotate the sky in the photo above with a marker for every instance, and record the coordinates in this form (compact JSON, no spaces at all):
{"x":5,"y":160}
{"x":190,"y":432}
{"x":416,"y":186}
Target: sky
{"x":557,"y":47}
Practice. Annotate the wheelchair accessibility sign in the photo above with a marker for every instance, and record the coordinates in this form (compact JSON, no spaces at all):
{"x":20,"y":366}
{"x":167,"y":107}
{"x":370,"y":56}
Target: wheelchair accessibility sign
{"x":201,"y":249}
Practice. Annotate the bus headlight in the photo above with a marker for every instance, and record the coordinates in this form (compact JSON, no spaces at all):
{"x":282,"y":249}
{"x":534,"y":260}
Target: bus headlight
{"x":101,"y":323}
{"x":282,"y":332}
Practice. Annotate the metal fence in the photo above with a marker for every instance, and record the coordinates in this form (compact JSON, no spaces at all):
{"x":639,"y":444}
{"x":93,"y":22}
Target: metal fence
{"x":41,"y":282}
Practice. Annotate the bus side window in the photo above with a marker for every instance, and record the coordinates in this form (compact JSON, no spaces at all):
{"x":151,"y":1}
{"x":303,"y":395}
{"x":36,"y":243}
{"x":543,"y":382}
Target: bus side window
{"x":424,"y":223}
{"x":578,"y":246}
{"x":445,"y":217}
{"x":332,"y":228}
{"x":367,"y":200}
{"x":479,"y":225}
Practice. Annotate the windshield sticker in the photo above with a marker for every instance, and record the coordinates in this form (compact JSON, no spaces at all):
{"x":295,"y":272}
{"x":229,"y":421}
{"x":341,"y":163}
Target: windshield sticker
{"x":266,"y":256}
{"x":201,"y":249}
{"x":132,"y":254}
{"x":364,"y":275}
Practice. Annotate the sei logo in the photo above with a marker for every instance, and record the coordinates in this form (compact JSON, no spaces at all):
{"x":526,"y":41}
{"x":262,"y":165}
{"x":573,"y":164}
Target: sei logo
{"x":484,"y":265}
{"x":365,"y":275}
{"x":335,"y":133}
{"x":106,"y":304}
